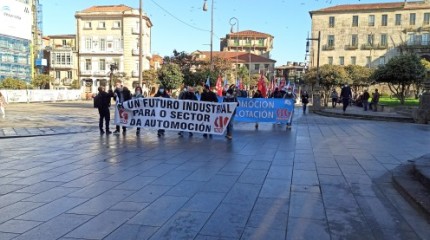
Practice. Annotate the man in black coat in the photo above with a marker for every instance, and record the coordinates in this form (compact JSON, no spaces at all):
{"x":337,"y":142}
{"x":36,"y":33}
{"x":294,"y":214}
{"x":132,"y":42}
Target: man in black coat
{"x":121,"y":94}
{"x":208,"y":96}
{"x":103,"y":105}
{"x":346,"y":95}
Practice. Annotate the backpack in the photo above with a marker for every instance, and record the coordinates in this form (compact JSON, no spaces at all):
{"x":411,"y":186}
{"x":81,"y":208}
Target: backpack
{"x":97,"y":101}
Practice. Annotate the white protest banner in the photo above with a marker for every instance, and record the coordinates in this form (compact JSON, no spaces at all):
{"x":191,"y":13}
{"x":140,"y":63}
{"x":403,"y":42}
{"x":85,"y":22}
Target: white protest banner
{"x":179,"y":115}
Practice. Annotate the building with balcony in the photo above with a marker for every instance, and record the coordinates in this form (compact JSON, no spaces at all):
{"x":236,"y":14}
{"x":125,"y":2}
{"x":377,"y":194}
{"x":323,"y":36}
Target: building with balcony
{"x":109,"y":35}
{"x":61,"y":52}
{"x":248,"y":41}
{"x":370,"y":34}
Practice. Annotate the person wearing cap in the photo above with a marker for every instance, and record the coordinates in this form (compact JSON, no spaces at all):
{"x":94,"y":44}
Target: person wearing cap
{"x":208,"y":96}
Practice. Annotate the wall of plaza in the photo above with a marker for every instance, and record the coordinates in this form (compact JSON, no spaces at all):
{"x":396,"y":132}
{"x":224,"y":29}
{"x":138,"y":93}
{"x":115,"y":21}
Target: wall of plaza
{"x":370,"y":37}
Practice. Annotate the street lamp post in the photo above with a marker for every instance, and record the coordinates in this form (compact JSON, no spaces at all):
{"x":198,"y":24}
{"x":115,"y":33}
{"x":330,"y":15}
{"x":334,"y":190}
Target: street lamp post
{"x":140,"y":43}
{"x":205,"y":8}
{"x":234,"y":21}
{"x":316,"y":99}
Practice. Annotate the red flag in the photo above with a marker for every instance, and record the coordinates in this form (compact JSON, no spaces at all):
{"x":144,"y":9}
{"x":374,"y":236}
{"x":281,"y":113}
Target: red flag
{"x":261,"y":85}
{"x":219,"y":86}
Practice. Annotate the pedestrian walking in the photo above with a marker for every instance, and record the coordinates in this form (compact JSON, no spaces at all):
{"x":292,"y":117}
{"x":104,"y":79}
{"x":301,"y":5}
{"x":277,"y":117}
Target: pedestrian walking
{"x":305,"y":100}
{"x":334,"y":98}
{"x":188,"y":95}
{"x":375,"y":100}
{"x":208,"y":96}
{"x":3,"y":104}
{"x":121,"y":95}
{"x":138,"y":94}
{"x":230,"y":96}
{"x":163,"y":94}
{"x":257,"y":94}
{"x":102,"y":102}
{"x":345,"y":95}
{"x":365,"y":99}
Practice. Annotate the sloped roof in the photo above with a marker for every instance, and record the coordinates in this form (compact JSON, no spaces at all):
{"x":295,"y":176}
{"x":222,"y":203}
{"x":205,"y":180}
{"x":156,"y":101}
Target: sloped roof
{"x":107,"y":8}
{"x":241,"y":57}
{"x":373,"y":7}
{"x":250,"y":33}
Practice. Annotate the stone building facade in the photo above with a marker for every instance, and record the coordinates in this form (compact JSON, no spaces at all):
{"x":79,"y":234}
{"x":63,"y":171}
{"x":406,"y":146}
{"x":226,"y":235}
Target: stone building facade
{"x":108,"y":35}
{"x":370,"y":34}
{"x":248,"y":41}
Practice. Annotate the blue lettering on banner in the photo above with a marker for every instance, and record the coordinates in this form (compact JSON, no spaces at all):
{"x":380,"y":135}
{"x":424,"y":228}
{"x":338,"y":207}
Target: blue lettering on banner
{"x":264,"y":110}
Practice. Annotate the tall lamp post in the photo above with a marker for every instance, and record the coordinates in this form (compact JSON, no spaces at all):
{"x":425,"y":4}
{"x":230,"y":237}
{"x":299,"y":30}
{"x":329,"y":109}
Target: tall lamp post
{"x":316,"y":99}
{"x":234,"y":21}
{"x":205,"y":8}
{"x":140,"y":43}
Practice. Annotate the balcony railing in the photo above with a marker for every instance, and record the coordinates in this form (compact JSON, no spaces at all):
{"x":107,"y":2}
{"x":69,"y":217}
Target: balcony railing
{"x":382,"y":46}
{"x":56,"y":65}
{"x":86,"y":72}
{"x":135,"y":73}
{"x":351,"y":47}
{"x":135,"y":51}
{"x":327,"y":47}
{"x":367,"y":46}
{"x":101,"y":73}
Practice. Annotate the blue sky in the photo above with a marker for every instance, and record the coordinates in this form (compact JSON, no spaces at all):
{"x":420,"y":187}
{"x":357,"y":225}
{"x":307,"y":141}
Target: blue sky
{"x":182,"y":25}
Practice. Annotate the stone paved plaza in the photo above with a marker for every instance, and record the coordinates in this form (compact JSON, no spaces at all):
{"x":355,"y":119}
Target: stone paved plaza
{"x":327,"y":178}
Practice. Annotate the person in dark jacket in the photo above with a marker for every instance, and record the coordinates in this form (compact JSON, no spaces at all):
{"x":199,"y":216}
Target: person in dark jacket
{"x":121,"y":94}
{"x":305,"y":100}
{"x":188,"y":95}
{"x":230,"y":96}
{"x":365,"y":99}
{"x":103,"y":107}
{"x":161,"y":93}
{"x":345,"y":95}
{"x":208,"y":96}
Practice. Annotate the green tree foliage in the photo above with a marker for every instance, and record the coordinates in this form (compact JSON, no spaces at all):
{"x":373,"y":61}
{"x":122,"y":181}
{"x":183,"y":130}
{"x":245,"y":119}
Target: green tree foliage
{"x":170,"y":76}
{"x":243,"y":74}
{"x":359,"y":76}
{"x":150,"y":77}
{"x":75,"y":84}
{"x":42,"y":81}
{"x":11,"y":83}
{"x":331,"y":76}
{"x":400,"y":73}
{"x":419,"y":85}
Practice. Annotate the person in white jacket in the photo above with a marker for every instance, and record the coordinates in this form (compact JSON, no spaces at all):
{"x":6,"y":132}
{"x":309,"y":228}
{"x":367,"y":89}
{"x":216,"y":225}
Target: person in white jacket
{"x":3,"y":103}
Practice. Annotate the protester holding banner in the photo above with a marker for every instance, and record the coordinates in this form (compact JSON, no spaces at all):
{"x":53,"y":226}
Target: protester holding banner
{"x":257,"y":94}
{"x":121,"y":94}
{"x":138,"y":94}
{"x":188,"y":95}
{"x":161,"y":93}
{"x":231,"y":96}
{"x":3,"y":103}
{"x":290,"y":95}
{"x":276,"y":94}
{"x":208,"y":96}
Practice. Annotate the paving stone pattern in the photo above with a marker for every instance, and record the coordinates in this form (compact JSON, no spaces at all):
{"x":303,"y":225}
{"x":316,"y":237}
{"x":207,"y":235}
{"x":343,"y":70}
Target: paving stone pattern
{"x":327,"y":178}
